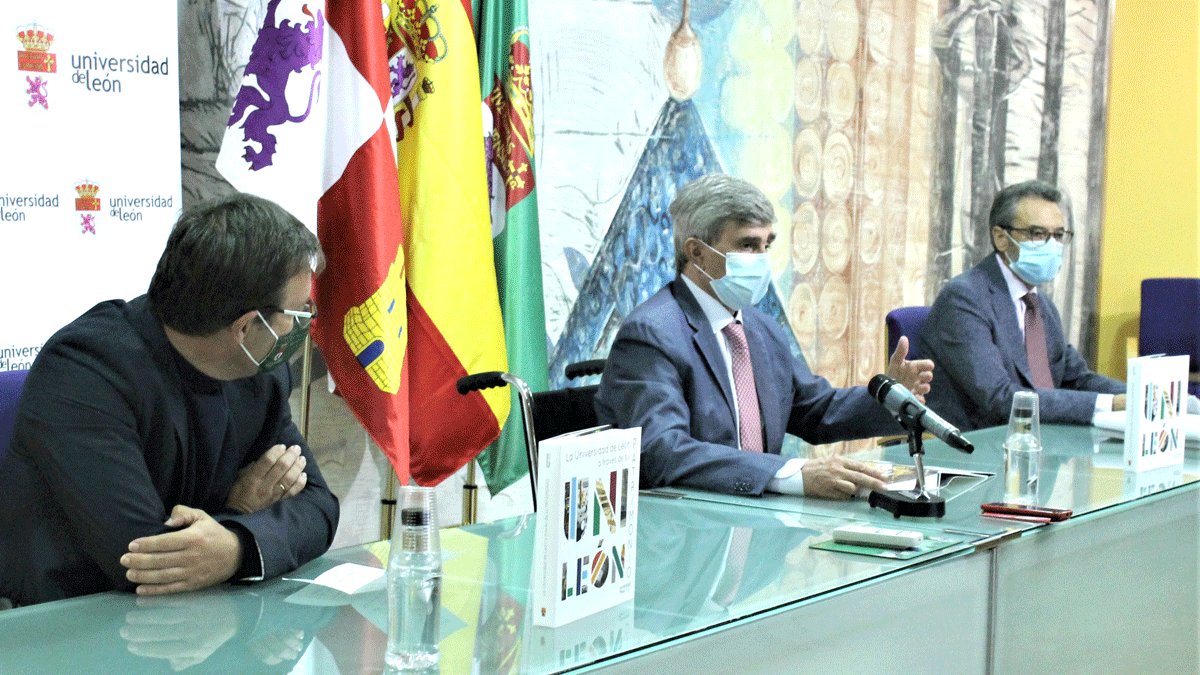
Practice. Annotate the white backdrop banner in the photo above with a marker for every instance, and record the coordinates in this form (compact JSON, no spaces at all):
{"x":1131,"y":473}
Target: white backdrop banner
{"x":90,"y":182}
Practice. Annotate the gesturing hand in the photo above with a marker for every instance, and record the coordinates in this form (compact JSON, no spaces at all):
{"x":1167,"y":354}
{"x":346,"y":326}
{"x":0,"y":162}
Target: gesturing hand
{"x":277,"y":474}
{"x":202,"y":554}
{"x":914,"y":375}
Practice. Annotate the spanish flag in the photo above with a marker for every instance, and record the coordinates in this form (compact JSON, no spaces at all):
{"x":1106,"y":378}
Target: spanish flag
{"x":453,"y":312}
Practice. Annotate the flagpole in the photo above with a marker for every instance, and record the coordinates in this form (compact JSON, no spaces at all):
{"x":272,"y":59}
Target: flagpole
{"x":305,"y":376}
{"x":470,"y":496}
{"x":387,"y":506}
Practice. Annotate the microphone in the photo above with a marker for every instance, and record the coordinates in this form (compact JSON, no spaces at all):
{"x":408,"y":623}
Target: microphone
{"x":900,"y":401}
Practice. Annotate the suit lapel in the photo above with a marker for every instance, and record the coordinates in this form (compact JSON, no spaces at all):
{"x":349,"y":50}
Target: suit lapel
{"x":704,"y":338}
{"x":1012,"y":342}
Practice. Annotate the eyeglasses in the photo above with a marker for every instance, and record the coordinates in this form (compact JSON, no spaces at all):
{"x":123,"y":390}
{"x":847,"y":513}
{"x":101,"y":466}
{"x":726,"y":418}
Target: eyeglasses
{"x":302,"y":318}
{"x":1040,"y":235}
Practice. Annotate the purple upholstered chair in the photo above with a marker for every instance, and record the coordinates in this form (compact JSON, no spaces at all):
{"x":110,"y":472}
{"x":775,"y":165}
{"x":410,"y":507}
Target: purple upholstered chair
{"x":11,"y":383}
{"x":906,"y":321}
{"x":1169,"y":322}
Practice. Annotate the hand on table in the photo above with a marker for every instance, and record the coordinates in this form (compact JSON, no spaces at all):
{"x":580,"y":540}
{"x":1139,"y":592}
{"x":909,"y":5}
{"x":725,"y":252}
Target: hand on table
{"x":839,"y":478}
{"x":202,"y":554}
{"x":277,"y":474}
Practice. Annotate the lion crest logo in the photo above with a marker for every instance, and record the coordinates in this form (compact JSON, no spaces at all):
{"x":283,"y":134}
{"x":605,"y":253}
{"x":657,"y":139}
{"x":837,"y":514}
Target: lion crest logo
{"x":279,"y":52}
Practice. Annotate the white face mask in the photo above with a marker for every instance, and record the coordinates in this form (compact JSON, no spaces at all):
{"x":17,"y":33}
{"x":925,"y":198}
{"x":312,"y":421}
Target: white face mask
{"x":747,"y":278}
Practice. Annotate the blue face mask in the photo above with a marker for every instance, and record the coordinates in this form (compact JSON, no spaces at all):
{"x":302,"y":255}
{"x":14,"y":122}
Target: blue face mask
{"x":1037,"y":264}
{"x":747,"y":278}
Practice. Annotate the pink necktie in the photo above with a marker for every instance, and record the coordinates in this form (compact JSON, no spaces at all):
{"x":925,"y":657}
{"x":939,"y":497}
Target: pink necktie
{"x":735,"y":566}
{"x":1035,"y":343}
{"x":749,"y":421}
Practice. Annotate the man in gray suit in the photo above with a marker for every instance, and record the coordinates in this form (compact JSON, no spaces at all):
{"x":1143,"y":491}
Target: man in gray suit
{"x":710,"y":379}
{"x":980,"y":327}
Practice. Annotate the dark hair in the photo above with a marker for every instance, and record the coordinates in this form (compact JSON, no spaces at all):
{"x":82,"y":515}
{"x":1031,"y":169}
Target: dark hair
{"x":1004,"y":205}
{"x":225,"y":257}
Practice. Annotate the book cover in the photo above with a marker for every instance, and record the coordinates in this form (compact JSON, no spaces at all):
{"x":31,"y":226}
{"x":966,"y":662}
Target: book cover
{"x":1155,"y":405}
{"x":586,"y":535}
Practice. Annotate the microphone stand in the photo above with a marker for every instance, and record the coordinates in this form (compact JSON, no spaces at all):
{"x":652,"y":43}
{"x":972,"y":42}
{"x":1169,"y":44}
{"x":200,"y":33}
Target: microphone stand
{"x":916,"y":502}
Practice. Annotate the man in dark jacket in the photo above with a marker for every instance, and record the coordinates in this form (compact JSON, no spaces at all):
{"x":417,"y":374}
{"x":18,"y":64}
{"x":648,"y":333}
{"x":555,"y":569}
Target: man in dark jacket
{"x":154,"y":449}
{"x":992,"y":333}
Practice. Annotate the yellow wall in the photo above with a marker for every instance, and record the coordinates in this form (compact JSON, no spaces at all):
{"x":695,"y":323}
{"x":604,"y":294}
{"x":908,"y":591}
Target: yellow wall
{"x":1151,"y":206}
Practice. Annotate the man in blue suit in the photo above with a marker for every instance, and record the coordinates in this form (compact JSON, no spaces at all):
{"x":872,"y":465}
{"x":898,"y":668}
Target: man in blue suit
{"x":980,"y":327}
{"x":710,"y":379}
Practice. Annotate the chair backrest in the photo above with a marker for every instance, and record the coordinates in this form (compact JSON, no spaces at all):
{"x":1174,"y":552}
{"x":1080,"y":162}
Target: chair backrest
{"x":11,"y":384}
{"x":1168,"y":318}
{"x":1167,"y":324}
{"x":560,"y":411}
{"x":906,"y":321}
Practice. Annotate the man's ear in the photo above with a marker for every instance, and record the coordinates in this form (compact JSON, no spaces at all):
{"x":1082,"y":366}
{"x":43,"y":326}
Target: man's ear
{"x":242,"y":324}
{"x":999,"y":239}
{"x":692,"y":248}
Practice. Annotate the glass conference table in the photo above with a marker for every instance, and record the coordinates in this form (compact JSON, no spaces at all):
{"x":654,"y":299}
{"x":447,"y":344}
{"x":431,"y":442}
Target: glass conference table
{"x":1112,"y":590}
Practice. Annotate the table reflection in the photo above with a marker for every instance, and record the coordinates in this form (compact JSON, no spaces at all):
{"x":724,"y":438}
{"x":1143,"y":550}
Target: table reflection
{"x":694,"y":564}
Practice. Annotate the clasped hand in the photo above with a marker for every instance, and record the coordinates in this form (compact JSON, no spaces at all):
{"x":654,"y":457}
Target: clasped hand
{"x":204,"y":552}
{"x":277,"y":474}
{"x":201,"y":554}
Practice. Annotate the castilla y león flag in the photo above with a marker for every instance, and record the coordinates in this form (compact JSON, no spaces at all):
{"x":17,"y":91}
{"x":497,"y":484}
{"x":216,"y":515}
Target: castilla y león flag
{"x":314,"y":128}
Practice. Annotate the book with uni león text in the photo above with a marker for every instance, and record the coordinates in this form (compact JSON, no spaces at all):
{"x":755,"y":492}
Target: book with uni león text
{"x":586,"y":536}
{"x":1155,"y":404}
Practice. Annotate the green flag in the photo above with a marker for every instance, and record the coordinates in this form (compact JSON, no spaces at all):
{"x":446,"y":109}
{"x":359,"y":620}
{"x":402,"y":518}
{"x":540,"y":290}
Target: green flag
{"x":503,"y":39}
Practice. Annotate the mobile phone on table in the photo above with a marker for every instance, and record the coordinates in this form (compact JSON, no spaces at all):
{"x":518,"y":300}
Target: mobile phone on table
{"x":1026,"y":510}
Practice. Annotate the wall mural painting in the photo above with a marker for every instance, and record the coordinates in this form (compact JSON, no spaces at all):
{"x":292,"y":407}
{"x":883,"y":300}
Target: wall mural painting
{"x":880,"y":129}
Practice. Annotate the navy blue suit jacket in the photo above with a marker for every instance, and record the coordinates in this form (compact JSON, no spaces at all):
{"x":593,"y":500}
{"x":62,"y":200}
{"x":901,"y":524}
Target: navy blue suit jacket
{"x":973,"y":336}
{"x":666,"y":374}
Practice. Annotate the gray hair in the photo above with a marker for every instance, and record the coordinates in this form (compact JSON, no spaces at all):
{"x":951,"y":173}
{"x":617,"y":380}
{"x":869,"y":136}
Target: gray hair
{"x":706,"y":206}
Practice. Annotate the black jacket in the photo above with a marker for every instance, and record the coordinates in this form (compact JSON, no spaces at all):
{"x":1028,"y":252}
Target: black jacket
{"x":104,"y":447}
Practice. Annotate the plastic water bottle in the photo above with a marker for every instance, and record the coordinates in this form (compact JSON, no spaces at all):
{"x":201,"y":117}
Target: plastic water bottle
{"x":414,"y":577}
{"x":1023,"y":450}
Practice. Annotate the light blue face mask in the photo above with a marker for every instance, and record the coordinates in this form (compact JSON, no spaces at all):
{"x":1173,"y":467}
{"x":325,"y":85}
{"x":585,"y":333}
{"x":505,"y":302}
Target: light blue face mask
{"x":747,"y":277}
{"x":1037,"y":264}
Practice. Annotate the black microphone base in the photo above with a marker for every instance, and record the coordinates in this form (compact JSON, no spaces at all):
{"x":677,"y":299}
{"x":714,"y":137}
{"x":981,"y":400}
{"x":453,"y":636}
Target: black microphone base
{"x":907,"y":504}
